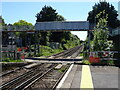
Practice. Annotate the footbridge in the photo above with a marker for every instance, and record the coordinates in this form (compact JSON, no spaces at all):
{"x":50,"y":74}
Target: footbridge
{"x":58,"y":26}
{"x":62,"y":26}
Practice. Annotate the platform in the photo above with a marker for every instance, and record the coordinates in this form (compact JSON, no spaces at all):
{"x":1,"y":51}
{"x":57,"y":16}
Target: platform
{"x":85,"y":77}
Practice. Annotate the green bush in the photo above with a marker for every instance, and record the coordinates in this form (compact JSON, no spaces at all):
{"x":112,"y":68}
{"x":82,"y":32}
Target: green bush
{"x":110,"y":62}
{"x":107,"y":62}
{"x":81,"y":54}
{"x":86,"y":62}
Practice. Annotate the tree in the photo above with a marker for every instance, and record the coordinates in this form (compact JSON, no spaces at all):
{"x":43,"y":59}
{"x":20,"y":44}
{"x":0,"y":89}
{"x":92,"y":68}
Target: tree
{"x":2,"y":22}
{"x":46,"y":14}
{"x":23,"y":25}
{"x":100,"y":33}
{"x":60,"y":18}
{"x":58,"y":36}
{"x":110,"y":10}
{"x":49,"y":14}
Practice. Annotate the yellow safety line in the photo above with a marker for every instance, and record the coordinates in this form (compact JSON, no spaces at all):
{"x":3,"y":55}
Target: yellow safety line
{"x":86,"y":79}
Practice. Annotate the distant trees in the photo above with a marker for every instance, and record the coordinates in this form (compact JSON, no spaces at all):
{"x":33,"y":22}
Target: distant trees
{"x":109,"y":9}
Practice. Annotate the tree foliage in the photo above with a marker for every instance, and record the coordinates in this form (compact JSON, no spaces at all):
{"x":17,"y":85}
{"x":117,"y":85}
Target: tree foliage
{"x":49,"y":14}
{"x":60,"y":18}
{"x":46,"y":14}
{"x":23,"y":25}
{"x":2,"y":22}
{"x":100,"y":33}
{"x":110,"y":11}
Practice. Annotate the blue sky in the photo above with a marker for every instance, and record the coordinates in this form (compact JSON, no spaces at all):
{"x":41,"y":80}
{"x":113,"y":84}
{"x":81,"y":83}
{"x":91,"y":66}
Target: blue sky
{"x":72,"y":11}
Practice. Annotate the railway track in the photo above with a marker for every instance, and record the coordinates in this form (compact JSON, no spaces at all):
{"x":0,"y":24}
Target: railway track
{"x":21,"y":81}
{"x":48,"y":80}
{"x":11,"y":71}
{"x":8,"y":68}
{"x":70,"y":53}
{"x":7,"y":76}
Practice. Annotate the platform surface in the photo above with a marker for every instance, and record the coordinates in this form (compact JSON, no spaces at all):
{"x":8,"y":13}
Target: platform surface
{"x":85,"y":77}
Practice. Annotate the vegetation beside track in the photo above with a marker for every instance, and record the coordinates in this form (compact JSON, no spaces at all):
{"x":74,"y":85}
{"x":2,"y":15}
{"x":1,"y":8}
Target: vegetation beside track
{"x":11,"y":60}
{"x":102,"y":62}
{"x":47,"y":51}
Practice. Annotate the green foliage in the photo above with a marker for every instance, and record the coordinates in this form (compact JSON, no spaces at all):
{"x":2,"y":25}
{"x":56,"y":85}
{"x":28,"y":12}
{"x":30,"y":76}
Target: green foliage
{"x":23,"y":25}
{"x":2,"y":22}
{"x":60,"y":18}
{"x":107,"y":62}
{"x":81,"y":54}
{"x":11,"y":60}
{"x":49,"y":14}
{"x":110,"y":11}
{"x":86,"y":62}
{"x":46,"y":14}
{"x":47,"y":51}
{"x":110,"y":62}
{"x":3,"y":25}
{"x":100,"y":34}
{"x":62,"y":69}
{"x":74,"y":41}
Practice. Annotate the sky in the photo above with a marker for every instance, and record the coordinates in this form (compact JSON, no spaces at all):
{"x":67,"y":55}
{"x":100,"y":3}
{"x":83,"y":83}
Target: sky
{"x":72,"y":11}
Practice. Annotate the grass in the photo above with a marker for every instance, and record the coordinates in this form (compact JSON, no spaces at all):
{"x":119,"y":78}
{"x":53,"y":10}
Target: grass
{"x":81,"y":54}
{"x":62,"y":69}
{"x":47,"y":51}
{"x":11,"y":60}
{"x":86,"y":62}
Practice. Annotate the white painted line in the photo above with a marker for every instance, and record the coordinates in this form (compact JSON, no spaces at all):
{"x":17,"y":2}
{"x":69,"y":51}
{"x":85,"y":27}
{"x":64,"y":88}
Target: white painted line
{"x":65,"y":76}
